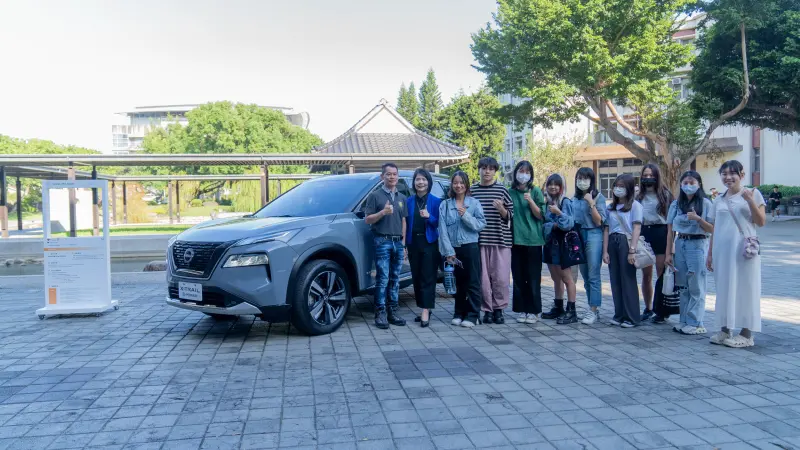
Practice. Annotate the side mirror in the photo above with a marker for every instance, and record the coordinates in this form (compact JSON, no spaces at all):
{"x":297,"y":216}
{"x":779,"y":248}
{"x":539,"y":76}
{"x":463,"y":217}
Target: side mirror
{"x":360,"y":214}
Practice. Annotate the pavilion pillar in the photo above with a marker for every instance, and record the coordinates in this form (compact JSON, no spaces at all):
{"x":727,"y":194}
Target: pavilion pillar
{"x":278,"y":184}
{"x":436,"y":168}
{"x":3,"y":204}
{"x":124,"y":203}
{"x":19,"y":203}
{"x":351,"y":168}
{"x":178,"y":199}
{"x":113,"y":203}
{"x":264,"y":184}
{"x":169,"y":200}
{"x":73,"y":203}
{"x":95,"y":208}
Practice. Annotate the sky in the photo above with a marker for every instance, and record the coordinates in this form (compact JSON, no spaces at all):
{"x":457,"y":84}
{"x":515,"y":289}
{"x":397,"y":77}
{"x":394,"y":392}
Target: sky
{"x":67,"y":67}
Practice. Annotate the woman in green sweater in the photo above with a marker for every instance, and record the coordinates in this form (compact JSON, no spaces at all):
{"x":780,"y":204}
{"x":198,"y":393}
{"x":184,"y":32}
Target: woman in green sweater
{"x":526,"y":254}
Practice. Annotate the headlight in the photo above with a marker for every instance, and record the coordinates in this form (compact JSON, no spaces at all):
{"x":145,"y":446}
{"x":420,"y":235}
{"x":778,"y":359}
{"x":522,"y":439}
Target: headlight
{"x":254,"y":259}
{"x":172,"y":240}
{"x":282,"y":236}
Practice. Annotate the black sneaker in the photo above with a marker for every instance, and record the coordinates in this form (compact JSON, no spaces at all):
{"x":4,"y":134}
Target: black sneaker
{"x":395,"y":318}
{"x":487,"y":317}
{"x":658,"y":319}
{"x":498,"y":316}
{"x":380,"y":319}
{"x":647,"y":314}
{"x":569,"y":316}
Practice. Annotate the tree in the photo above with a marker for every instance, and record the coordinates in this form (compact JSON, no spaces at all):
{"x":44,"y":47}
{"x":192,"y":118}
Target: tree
{"x":224,"y":127}
{"x":430,"y":106}
{"x":549,"y":156}
{"x":407,"y":104}
{"x":607,"y":60}
{"x":773,"y":55}
{"x":471,"y":121}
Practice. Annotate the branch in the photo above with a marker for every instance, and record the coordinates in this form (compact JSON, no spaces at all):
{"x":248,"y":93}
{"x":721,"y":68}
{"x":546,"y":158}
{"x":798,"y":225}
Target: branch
{"x":736,"y":110}
{"x":624,"y":124}
{"x":611,"y":128}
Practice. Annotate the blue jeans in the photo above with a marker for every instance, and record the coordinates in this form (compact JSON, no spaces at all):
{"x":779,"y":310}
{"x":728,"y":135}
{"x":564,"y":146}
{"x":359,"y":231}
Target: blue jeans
{"x":690,"y":277}
{"x":593,"y":243}
{"x":388,"y":263}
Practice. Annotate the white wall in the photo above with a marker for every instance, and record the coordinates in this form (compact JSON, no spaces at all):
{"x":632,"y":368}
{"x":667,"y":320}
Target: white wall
{"x":708,"y":166}
{"x":780,"y":154}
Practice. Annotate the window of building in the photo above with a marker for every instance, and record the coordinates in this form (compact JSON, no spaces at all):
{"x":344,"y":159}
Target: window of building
{"x":607,"y":163}
{"x":687,"y":41}
{"x":631,"y":162}
{"x":508,"y":145}
{"x":607,"y":184}
{"x":519,"y":143}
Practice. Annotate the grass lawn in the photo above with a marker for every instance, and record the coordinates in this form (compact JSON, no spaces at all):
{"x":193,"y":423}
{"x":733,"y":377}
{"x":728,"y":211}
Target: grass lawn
{"x":191,"y":211}
{"x":146,"y":229}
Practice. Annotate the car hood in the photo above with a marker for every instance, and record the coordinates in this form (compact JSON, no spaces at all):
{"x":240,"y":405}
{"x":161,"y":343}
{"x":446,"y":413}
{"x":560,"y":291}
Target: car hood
{"x":232,"y":229}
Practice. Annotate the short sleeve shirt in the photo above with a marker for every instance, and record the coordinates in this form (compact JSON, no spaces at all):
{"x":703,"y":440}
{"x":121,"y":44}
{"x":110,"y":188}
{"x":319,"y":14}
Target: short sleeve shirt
{"x":391,"y":225}
{"x":634,"y":215}
{"x":680,"y":220}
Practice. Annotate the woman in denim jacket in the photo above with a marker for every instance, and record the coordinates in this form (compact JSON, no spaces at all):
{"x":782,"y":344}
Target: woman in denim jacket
{"x":590,"y":212}
{"x":559,"y":214}
{"x":460,"y":221}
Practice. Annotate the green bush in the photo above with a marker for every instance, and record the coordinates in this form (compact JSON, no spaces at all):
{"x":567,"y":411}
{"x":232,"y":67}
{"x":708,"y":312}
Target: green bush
{"x":787,"y":191}
{"x":196,"y":202}
{"x":211,"y":204}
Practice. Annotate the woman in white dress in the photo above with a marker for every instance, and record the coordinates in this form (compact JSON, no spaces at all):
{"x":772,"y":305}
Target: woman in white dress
{"x":738,"y":279}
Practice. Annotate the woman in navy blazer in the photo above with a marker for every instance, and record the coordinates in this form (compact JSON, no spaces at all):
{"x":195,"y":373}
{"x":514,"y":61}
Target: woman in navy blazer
{"x":422,"y":238}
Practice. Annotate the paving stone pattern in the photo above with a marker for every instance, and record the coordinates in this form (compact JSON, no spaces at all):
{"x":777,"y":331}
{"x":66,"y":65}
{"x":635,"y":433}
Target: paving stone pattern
{"x":153,"y":377}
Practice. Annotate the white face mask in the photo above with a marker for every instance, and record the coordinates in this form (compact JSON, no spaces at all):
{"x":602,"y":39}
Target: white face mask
{"x":583,"y":185}
{"x":523,"y":177}
{"x":620,"y":192}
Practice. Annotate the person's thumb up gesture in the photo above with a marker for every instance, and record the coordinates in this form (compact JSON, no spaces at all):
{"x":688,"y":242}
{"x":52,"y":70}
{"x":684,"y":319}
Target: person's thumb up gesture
{"x":388,"y":208}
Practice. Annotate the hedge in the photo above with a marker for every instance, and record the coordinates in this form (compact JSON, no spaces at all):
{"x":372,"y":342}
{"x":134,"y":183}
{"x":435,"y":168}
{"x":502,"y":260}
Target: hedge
{"x":787,"y":191}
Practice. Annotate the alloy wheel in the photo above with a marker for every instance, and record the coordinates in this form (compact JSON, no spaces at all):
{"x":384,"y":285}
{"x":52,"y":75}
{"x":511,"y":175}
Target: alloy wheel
{"x":327,"y":298}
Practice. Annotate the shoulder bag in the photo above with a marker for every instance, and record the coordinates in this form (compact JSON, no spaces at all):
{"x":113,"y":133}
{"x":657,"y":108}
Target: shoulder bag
{"x":752,"y":246}
{"x":644,"y":255}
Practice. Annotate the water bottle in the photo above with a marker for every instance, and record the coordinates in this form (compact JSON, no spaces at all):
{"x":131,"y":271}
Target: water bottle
{"x":449,"y":278}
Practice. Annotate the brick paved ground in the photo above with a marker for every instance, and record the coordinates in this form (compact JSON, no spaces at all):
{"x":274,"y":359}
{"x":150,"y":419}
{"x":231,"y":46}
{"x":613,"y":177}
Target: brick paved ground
{"x":150,"y":376}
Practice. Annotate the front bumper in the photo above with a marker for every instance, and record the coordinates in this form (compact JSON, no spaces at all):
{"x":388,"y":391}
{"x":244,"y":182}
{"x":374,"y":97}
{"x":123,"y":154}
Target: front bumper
{"x":272,"y":314}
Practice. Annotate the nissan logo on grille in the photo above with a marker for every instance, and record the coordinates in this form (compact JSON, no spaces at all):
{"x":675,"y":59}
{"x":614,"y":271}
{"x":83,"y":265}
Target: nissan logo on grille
{"x":188,"y":255}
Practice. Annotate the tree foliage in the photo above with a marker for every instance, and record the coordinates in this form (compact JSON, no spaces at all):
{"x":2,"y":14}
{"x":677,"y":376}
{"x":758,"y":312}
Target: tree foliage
{"x":471,"y":121}
{"x":773,"y":55}
{"x":549,"y":156}
{"x":607,"y":60}
{"x":407,"y":103}
{"x":430,"y":106}
{"x":228,"y":128}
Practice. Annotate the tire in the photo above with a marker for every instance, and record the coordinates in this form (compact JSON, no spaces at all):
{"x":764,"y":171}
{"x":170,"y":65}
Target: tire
{"x":221,"y":316}
{"x":321,"y":297}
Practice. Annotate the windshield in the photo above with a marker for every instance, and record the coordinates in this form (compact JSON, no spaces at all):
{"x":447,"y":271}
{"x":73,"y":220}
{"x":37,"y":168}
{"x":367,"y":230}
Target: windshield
{"x":317,"y":198}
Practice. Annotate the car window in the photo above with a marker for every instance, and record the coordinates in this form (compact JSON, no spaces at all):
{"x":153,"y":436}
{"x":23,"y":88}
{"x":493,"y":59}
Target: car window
{"x":318,"y":197}
{"x":403,"y":187}
{"x":438,"y":189}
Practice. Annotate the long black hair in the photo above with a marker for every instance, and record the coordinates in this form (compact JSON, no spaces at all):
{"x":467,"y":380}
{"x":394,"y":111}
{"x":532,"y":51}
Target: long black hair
{"x":697,"y":201}
{"x":585,"y":172}
{"x":664,"y":195}
{"x":464,"y":177}
{"x":523,"y":165}
{"x":630,"y":190}
{"x":426,"y":175}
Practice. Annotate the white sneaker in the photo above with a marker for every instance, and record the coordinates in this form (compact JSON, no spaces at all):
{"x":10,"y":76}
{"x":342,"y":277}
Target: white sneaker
{"x":467,"y":324}
{"x":456,"y":321}
{"x":590,"y":317}
{"x":627,"y":324}
{"x":532,"y":319}
{"x":719,"y":338}
{"x":739,"y":341}
{"x":615,"y":322}
{"x":522,"y":318}
{"x":689,"y":329}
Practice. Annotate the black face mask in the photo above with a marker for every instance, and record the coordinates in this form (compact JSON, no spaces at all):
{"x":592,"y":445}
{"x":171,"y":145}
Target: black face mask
{"x":648,"y":182}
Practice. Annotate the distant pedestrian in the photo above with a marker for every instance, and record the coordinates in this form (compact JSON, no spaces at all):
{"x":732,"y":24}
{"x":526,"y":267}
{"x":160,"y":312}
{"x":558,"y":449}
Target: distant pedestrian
{"x":656,"y":199}
{"x":775,"y":202}
{"x":590,"y":211}
{"x":386,"y":212}
{"x":461,"y":220}
{"x":558,"y":220}
{"x":714,"y":194}
{"x":526,"y":254}
{"x":734,"y":258}
{"x":422,"y":236}
{"x":496,"y":240}
{"x":624,"y":218}
{"x":691,"y":217}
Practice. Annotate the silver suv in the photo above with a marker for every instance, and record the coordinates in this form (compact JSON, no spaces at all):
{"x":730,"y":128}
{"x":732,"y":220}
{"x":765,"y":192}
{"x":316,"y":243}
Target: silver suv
{"x":301,"y":258}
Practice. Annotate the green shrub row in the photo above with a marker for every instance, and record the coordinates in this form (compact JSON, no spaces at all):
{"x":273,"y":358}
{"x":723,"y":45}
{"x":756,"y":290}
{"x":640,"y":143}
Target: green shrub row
{"x":787,"y":191}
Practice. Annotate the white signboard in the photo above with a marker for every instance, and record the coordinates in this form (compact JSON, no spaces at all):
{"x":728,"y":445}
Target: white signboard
{"x":77,"y":271}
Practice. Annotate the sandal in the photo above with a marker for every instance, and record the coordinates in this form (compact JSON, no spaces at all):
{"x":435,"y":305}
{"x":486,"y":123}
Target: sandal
{"x":739,"y":341}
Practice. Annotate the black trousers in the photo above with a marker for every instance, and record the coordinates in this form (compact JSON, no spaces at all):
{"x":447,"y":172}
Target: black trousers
{"x":526,"y":268}
{"x":468,"y":283}
{"x":424,"y":260}
{"x":624,"y":287}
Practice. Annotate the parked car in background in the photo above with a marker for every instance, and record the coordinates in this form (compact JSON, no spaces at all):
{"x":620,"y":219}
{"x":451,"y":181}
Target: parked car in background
{"x":301,"y":258}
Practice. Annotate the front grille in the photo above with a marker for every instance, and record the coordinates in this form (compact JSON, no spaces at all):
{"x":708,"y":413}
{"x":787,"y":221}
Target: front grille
{"x":204,"y":258}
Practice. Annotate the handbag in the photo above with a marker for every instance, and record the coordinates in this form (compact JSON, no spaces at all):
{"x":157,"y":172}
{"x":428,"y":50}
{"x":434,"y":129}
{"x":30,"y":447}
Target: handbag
{"x":752,"y":246}
{"x":570,"y":246}
{"x":668,"y":286}
{"x":667,"y":298}
{"x":643,"y":254}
